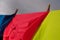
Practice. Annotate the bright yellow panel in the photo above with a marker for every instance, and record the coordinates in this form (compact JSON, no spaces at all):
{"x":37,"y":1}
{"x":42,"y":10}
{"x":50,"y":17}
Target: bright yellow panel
{"x":50,"y":28}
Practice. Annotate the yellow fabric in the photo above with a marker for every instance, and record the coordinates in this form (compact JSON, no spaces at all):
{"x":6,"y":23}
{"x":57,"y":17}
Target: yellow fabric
{"x":50,"y":28}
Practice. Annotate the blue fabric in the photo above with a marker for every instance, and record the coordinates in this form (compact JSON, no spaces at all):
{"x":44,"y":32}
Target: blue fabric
{"x":4,"y":21}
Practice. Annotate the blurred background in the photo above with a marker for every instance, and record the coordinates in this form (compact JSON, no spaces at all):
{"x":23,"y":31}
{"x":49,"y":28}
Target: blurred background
{"x":27,"y":6}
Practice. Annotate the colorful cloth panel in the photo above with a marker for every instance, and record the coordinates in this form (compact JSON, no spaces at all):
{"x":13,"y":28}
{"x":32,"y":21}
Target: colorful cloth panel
{"x":24,"y":26}
{"x":4,"y":21}
{"x":50,"y":27}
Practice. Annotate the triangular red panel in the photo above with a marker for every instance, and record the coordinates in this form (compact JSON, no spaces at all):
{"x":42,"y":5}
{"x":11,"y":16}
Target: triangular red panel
{"x":24,"y":26}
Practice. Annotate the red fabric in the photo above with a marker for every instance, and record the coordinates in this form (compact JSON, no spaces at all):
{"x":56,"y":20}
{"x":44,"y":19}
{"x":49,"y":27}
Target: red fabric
{"x":24,"y":26}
